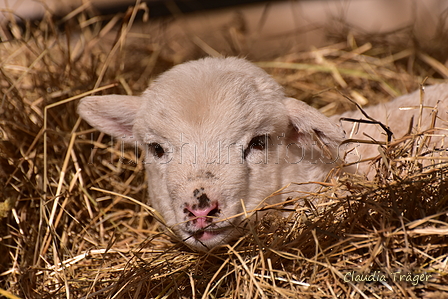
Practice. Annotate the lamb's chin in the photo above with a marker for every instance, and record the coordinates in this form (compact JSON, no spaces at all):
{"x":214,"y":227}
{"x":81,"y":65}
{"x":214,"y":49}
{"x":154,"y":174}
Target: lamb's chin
{"x":206,"y":240}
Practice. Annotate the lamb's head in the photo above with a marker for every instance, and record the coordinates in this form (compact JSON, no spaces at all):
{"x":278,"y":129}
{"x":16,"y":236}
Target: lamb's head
{"x":215,"y":135}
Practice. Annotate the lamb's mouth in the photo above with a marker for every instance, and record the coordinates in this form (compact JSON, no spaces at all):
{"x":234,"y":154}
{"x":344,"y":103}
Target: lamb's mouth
{"x":208,"y":233}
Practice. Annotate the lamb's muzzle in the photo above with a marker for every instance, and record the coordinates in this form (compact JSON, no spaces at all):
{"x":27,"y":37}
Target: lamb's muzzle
{"x":219,"y":136}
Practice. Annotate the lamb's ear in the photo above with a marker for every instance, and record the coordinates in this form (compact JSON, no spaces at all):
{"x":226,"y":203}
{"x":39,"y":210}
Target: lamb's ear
{"x":310,"y":123}
{"x":111,"y":114}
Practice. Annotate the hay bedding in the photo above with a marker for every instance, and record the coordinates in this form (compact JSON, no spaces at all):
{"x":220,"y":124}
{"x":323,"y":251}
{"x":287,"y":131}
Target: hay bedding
{"x":70,"y":229}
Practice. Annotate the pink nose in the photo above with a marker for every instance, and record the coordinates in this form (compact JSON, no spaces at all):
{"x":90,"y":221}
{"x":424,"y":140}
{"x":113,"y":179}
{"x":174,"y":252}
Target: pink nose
{"x":202,"y":217}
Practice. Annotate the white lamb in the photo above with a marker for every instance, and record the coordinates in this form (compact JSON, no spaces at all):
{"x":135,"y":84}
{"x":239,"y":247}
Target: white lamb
{"x":219,"y":137}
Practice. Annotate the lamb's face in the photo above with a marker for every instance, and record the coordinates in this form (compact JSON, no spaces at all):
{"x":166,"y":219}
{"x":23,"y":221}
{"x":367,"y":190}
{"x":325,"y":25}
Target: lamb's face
{"x":216,"y":134}
{"x":210,"y":154}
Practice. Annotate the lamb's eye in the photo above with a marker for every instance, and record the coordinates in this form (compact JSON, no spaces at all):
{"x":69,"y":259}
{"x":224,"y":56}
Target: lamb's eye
{"x":157,"y":150}
{"x":256,"y":143}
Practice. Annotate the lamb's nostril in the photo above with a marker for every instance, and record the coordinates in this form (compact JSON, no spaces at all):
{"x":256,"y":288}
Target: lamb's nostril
{"x":214,"y":212}
{"x":189,"y":213}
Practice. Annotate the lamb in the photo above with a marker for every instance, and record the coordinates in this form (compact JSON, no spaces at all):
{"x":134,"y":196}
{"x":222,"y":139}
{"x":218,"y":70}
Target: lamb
{"x":220,"y":136}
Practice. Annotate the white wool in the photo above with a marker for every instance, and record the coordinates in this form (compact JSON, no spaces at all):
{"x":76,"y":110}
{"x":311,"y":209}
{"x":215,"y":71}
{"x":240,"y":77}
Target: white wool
{"x":401,"y":116}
